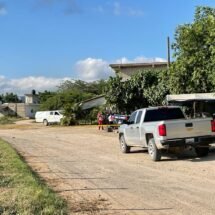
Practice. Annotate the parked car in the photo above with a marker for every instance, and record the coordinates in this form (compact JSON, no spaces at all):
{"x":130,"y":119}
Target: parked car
{"x":120,"y":119}
{"x":159,"y":128}
{"x":48,"y":117}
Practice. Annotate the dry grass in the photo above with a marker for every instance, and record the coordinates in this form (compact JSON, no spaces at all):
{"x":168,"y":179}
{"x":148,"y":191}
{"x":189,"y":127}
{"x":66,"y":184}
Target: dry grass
{"x":95,"y":206}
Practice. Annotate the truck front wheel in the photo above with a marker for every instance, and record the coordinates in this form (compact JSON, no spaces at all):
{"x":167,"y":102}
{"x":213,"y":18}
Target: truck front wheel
{"x":154,"y":152}
{"x":45,"y":122}
{"x":202,"y":151}
{"x":123,"y":145}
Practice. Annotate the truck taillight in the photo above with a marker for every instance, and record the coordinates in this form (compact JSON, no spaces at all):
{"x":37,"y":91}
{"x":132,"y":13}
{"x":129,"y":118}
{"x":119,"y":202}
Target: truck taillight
{"x":162,"y":130}
{"x":212,"y":125}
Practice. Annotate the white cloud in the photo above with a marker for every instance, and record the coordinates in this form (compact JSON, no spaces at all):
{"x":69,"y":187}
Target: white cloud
{"x":119,"y":9}
{"x":24,"y":85}
{"x":99,"y":9}
{"x":116,"y":8}
{"x":70,"y":6}
{"x":135,"y":12}
{"x":3,"y":10}
{"x":92,"y":69}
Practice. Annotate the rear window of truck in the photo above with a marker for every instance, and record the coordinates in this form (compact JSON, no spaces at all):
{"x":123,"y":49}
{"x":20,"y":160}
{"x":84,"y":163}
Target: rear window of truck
{"x":163,"y":114}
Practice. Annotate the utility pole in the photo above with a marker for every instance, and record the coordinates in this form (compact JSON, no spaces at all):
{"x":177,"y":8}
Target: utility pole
{"x":168,"y":52}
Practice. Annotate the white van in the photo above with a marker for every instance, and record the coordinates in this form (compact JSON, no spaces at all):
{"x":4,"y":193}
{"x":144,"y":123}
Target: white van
{"x":48,"y":117}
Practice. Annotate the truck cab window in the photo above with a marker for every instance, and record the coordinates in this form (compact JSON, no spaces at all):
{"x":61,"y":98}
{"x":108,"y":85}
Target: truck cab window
{"x":132,"y":118}
{"x":56,"y":113}
{"x":139,"y":117}
{"x":163,"y":114}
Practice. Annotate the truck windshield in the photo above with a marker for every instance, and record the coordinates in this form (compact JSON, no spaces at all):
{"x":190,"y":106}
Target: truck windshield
{"x":163,"y":114}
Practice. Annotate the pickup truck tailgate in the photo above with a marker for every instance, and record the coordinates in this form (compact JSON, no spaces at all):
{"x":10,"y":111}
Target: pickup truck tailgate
{"x":188,"y":128}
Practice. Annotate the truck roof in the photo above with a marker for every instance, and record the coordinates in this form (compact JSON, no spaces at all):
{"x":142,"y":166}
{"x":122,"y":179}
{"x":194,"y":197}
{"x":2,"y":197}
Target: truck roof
{"x":158,"y":107}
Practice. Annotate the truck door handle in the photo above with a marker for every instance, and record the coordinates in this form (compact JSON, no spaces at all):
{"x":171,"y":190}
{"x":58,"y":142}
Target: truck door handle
{"x":137,"y":127}
{"x":189,"y":125}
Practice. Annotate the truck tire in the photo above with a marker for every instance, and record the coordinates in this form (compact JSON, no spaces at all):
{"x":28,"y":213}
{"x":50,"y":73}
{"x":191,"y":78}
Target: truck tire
{"x":123,"y":146}
{"x":202,"y":151}
{"x":45,"y":122}
{"x":153,"y":151}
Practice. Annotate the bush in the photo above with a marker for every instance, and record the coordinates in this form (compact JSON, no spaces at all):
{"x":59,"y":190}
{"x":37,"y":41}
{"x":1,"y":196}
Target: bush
{"x":69,"y":121}
{"x":7,"y":120}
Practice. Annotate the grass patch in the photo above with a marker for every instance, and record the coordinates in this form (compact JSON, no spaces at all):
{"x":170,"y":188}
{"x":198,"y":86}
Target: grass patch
{"x":7,"y":120}
{"x":21,"y":190}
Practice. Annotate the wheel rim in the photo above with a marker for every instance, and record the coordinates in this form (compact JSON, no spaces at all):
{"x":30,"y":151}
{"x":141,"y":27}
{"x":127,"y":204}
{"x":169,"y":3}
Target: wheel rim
{"x":151,"y":150}
{"x":122,"y":143}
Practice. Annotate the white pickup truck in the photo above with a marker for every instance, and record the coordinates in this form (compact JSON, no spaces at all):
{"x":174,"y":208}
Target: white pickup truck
{"x":159,"y":128}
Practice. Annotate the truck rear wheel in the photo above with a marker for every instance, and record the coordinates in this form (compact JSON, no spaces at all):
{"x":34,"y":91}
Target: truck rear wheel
{"x":153,"y":151}
{"x":202,"y":151}
{"x":45,"y":122}
{"x":123,"y":145}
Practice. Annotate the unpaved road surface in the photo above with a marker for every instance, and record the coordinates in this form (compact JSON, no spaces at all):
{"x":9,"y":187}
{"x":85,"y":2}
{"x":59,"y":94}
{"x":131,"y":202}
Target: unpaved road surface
{"x":87,"y":168}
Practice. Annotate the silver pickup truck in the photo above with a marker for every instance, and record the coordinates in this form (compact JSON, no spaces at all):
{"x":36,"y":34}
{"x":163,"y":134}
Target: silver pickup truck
{"x":160,"y":128}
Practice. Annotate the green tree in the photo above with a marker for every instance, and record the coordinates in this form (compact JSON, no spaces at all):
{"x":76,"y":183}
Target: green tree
{"x":10,"y":98}
{"x":95,"y":87}
{"x":68,"y":98}
{"x":54,"y":102}
{"x":44,"y":96}
{"x":141,"y":90}
{"x":194,"y":50}
{"x":156,"y":91}
{"x":63,"y":99}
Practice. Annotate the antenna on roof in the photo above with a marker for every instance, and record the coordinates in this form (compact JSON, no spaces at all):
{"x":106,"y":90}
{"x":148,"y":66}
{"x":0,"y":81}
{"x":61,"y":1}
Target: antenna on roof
{"x":168,"y":51}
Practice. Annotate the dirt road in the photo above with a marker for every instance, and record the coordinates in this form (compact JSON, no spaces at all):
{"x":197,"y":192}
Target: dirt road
{"x":88,"y":169}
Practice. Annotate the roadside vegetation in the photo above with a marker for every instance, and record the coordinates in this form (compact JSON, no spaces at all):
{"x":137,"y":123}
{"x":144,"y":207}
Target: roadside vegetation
{"x":22,"y":191}
{"x":69,"y":96}
{"x":146,"y":88}
{"x":7,"y":120}
{"x":9,"y":97}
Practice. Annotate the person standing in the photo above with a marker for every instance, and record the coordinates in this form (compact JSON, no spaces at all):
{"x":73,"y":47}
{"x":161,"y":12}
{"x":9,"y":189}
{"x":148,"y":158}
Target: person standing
{"x":111,"y":119}
{"x":100,"y":119}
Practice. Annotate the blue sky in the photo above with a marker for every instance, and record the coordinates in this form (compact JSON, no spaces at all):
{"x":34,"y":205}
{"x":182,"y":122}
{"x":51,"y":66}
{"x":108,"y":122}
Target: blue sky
{"x":46,"y":41}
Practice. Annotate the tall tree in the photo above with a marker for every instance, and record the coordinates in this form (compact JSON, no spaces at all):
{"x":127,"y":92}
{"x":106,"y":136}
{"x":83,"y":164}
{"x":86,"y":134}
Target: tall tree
{"x":194,"y":50}
{"x":142,"y":89}
{"x":10,"y":98}
{"x":44,"y":96}
{"x":70,"y":93}
{"x":95,"y":87}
